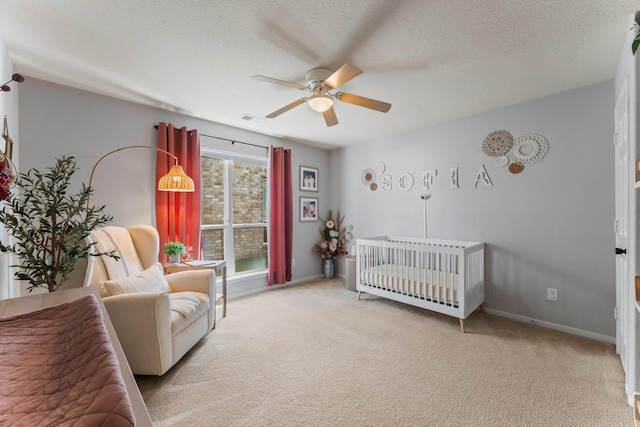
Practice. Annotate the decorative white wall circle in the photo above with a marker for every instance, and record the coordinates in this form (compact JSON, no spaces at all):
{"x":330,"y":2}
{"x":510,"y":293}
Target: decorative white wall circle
{"x":528,"y":149}
{"x":502,"y":161}
{"x":379,"y":168}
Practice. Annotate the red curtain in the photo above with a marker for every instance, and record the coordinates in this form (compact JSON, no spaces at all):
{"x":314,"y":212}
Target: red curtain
{"x":178,"y":214}
{"x":280,"y":216}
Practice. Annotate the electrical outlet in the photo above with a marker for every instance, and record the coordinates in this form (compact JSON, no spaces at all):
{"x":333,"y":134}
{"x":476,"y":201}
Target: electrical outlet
{"x":293,"y":263}
{"x":552,"y":294}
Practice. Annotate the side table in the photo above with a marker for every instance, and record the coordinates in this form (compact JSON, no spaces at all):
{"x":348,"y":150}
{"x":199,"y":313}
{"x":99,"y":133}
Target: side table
{"x":216,"y":265}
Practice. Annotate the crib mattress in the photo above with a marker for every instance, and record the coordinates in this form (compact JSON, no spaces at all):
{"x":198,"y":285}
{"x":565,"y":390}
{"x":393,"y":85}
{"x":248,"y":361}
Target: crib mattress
{"x":414,"y":281}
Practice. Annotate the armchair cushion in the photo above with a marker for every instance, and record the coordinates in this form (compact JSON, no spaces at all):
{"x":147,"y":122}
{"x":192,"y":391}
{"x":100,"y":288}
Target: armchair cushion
{"x":118,"y":239}
{"x":186,"y":306}
{"x":150,"y":280}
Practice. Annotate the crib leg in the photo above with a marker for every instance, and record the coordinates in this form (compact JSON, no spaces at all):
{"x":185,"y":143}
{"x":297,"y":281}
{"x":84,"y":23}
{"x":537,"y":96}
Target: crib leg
{"x":462,"y":325}
{"x":359,"y":292}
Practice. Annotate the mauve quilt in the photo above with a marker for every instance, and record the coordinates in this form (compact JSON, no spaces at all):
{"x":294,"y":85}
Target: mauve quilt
{"x":58,"y":368}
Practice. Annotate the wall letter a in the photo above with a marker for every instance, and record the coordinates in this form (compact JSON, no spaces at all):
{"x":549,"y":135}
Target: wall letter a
{"x":484,"y":177}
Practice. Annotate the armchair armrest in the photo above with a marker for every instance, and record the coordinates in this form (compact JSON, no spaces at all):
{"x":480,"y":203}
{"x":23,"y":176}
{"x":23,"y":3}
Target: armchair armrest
{"x":203,"y":281}
{"x":194,"y":280}
{"x":142,"y":322}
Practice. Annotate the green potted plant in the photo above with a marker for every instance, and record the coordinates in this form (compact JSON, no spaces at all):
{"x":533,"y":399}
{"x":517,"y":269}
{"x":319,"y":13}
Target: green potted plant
{"x":50,"y":225}
{"x":174,"y":250}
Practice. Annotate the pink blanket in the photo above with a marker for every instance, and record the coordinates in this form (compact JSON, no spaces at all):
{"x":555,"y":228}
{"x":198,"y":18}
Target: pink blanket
{"x":58,"y":368}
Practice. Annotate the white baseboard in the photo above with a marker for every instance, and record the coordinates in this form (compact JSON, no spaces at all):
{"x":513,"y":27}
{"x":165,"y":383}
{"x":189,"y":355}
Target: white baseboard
{"x":271,"y":288}
{"x":551,"y":325}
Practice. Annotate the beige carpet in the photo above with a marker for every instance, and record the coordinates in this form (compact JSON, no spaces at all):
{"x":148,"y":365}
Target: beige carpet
{"x":312,"y":355}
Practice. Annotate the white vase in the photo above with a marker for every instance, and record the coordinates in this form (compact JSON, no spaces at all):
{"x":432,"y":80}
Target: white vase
{"x":174,"y":259}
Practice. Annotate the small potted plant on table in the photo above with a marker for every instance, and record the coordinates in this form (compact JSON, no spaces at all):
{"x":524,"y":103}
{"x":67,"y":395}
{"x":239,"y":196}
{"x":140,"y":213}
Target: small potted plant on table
{"x":174,"y":250}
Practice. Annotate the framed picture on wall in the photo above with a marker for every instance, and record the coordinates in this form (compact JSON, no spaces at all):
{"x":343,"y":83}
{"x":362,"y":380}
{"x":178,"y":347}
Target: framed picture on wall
{"x":308,"y":179}
{"x":308,"y":208}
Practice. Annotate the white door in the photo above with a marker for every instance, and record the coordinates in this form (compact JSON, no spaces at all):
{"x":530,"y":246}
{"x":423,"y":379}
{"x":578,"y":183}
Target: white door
{"x":623,"y":286}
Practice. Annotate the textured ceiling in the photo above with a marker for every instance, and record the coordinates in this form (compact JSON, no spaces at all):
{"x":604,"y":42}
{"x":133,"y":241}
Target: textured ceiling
{"x":434,"y":60}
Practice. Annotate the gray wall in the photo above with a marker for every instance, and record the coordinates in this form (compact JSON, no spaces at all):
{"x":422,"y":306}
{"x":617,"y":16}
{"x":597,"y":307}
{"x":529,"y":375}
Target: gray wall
{"x":56,"y":120}
{"x":549,"y":226}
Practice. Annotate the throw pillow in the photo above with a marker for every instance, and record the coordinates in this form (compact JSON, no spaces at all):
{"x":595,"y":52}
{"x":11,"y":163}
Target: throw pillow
{"x":151,"y":280}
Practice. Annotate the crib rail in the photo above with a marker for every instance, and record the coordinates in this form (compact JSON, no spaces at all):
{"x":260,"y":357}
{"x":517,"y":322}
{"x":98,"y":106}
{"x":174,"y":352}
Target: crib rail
{"x":447,"y":275}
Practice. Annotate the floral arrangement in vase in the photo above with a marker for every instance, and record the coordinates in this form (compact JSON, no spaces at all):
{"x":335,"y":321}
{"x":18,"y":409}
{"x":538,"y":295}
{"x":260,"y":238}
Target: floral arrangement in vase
{"x":333,"y":238}
{"x":174,"y":250}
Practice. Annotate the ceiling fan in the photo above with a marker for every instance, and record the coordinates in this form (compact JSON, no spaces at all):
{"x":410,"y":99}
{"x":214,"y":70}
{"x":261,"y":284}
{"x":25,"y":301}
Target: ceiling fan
{"x":320,"y":82}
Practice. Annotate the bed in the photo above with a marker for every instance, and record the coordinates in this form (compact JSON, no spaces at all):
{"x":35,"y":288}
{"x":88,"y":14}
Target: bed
{"x":445,"y":276}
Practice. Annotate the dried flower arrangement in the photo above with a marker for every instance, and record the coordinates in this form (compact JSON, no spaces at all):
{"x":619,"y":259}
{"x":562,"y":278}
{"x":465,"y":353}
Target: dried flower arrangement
{"x":333,"y":243}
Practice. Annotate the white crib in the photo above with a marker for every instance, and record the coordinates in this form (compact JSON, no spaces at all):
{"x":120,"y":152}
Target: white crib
{"x":445,"y":276}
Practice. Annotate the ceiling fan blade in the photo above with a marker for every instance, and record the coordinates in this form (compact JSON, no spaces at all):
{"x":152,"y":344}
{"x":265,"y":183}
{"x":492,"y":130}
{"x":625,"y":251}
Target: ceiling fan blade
{"x":343,"y":75}
{"x":279,"y":82}
{"x":287,"y":108}
{"x":330,"y":117}
{"x":361,"y":101}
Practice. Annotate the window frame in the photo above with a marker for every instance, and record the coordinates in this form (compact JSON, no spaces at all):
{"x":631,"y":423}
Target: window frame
{"x":228,"y":227}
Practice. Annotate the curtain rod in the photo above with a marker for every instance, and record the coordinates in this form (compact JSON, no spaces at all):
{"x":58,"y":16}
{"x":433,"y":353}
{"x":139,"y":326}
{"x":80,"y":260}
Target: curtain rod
{"x":232,"y":141}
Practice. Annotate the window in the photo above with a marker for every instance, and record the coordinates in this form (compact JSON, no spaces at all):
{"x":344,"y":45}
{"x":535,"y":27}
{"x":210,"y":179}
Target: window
{"x":234,"y":210}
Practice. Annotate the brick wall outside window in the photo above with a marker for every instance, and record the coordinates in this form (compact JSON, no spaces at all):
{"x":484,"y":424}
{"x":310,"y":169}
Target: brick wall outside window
{"x":248,"y":195}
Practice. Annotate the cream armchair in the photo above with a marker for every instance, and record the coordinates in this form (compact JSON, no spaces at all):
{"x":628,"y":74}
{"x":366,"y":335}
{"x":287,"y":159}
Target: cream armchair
{"x":157,"y":318}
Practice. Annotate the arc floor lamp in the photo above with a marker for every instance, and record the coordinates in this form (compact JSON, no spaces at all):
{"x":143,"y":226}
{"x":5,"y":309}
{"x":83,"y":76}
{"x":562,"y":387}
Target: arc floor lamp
{"x":176,"y":180}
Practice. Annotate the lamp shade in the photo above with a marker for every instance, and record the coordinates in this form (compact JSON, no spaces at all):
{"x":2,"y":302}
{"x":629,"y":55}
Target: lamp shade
{"x":176,"y":180}
{"x":320,"y":102}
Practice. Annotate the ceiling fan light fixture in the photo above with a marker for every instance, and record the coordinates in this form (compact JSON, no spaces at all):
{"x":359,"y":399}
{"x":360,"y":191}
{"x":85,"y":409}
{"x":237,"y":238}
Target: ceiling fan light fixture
{"x":320,"y":102}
